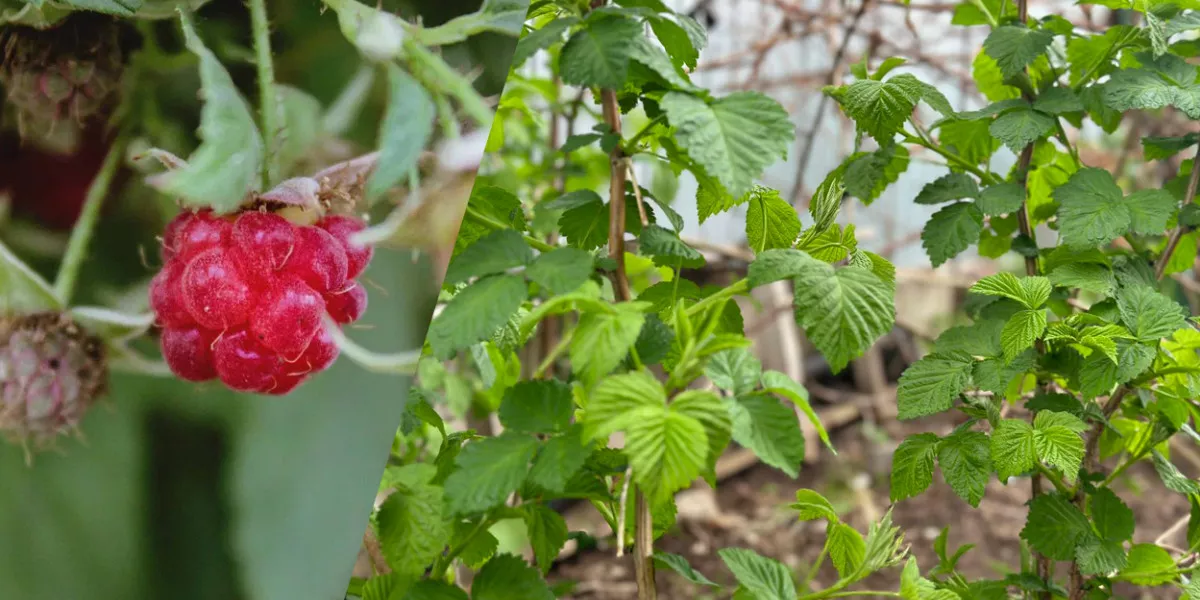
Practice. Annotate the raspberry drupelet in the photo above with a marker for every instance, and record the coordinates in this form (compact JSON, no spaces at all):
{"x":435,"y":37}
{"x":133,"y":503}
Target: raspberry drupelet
{"x":241,"y":298}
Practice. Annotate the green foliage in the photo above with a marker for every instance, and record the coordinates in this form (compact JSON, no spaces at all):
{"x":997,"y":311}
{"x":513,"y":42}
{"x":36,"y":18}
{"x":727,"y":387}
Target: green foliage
{"x":1088,"y":339}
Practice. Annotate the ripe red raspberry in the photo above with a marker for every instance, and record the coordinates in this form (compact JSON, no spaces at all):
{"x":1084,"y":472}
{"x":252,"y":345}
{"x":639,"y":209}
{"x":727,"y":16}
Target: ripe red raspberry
{"x":241,"y":298}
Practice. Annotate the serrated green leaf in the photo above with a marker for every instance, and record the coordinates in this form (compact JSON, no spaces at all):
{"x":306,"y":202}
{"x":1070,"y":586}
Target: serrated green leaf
{"x":1150,"y":315}
{"x":931,"y":384}
{"x":774,"y":265}
{"x":965,"y":461}
{"x":507,"y":577}
{"x":405,"y":131}
{"x":775,"y":382}
{"x":880,"y":108}
{"x":764,"y":578}
{"x":540,"y":39}
{"x":667,"y":450}
{"x":735,"y":370}
{"x":1055,"y":527}
{"x":559,"y":460}
{"x":547,"y":533}
{"x":475,"y":313}
{"x":734,"y":138}
{"x":1144,"y":89}
{"x":1100,"y":557}
{"x":488,"y":471}
{"x":540,"y":406}
{"x":1012,"y":448}
{"x":681,"y":566}
{"x":1114,"y":520}
{"x":707,"y":408}
{"x":1057,"y":101}
{"x":1001,"y":199}
{"x":770,"y":429}
{"x":598,"y":53}
{"x":955,"y":186}
{"x":1148,"y":565}
{"x":561,"y":270}
{"x":912,"y":466}
{"x":496,"y":252}
{"x":771,"y":223}
{"x":1021,"y":331}
{"x":667,"y":249}
{"x":1058,"y":443}
{"x":1159,"y":148}
{"x":1021,"y":127}
{"x":1014,"y":47}
{"x":227,"y":164}
{"x":602,"y":340}
{"x":843,"y":311}
{"x":950,"y":231}
{"x":412,"y":529}
{"x":1092,"y":277}
{"x":812,"y":506}
{"x":847,"y":549}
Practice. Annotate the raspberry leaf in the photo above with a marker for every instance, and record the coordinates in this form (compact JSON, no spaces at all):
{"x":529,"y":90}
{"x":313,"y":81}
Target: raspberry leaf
{"x":406,"y":129}
{"x":227,"y":164}
{"x":764,"y":578}
{"x":21,"y":288}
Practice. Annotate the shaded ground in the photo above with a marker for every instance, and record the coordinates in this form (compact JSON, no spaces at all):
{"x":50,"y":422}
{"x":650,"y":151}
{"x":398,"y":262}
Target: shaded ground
{"x":752,"y":513}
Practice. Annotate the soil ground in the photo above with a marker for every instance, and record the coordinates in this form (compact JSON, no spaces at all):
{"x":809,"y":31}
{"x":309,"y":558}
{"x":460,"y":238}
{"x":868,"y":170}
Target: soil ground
{"x":752,"y":513}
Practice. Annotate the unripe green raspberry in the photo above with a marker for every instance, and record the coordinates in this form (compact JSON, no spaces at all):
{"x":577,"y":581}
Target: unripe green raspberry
{"x":62,"y":78}
{"x":51,"y":372}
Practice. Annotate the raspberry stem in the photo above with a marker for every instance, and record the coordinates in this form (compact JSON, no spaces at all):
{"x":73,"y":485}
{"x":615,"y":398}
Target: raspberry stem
{"x":85,"y":226}
{"x":266,"y":88}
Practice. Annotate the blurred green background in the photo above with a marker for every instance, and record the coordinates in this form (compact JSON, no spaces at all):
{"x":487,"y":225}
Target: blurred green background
{"x":191,"y":492}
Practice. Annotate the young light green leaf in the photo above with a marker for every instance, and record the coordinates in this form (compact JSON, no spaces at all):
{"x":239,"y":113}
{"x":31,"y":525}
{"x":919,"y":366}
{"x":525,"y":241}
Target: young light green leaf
{"x":488,"y":471}
{"x":610,"y":405}
{"x":602,"y":339}
{"x":1058,"y":443}
{"x":707,"y":408}
{"x":843,"y":311}
{"x":931,"y":384}
{"x":227,"y":164}
{"x":771,"y":223}
{"x":765,"y":578}
{"x":1148,"y":565}
{"x":1057,"y":101}
{"x":950,"y":231}
{"x":736,"y":370}
{"x":598,"y":53}
{"x":912,"y":466}
{"x":559,"y":460}
{"x":1031,"y":292}
{"x":811,"y":506}
{"x":1021,"y":331}
{"x":733,"y":138}
{"x":405,"y":131}
{"x":1012,"y":448}
{"x":1092,"y":277}
{"x":847,"y":549}
{"x":667,"y":249}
